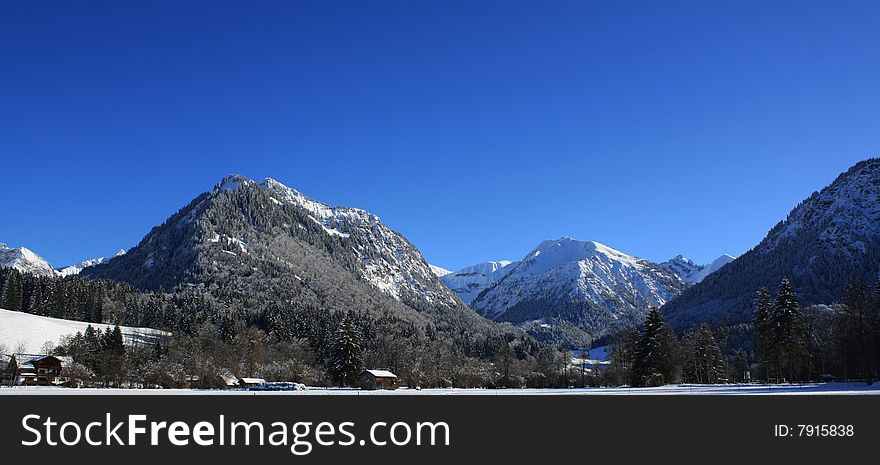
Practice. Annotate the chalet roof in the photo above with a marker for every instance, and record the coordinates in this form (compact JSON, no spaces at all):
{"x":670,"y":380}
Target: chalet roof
{"x":228,"y":379}
{"x":24,"y":360}
{"x":251,"y":380}
{"x":380,"y":373}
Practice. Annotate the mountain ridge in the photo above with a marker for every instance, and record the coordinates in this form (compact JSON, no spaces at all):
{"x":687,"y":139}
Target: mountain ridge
{"x":586,"y":283}
{"x":266,"y":241}
{"x":828,"y":240}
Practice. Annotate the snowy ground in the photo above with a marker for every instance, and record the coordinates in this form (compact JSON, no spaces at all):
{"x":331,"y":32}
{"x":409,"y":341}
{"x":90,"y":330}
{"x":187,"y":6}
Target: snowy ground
{"x":27,"y":333}
{"x":679,"y":389}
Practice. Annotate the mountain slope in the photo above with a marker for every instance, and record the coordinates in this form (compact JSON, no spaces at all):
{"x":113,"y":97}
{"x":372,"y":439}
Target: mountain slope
{"x":588,"y":284}
{"x":28,"y":333}
{"x":266,"y":242}
{"x":470,"y":281}
{"x":24,"y":260}
{"x":825,"y":242}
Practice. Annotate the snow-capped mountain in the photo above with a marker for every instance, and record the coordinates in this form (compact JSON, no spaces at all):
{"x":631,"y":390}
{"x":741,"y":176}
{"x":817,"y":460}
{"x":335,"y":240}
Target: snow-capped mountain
{"x":584,"y":283}
{"x":469,"y":282}
{"x":828,"y":240}
{"x":438,"y":271}
{"x":71,"y":270}
{"x":24,"y":260}
{"x":270,"y":242}
{"x":693,"y":273}
{"x":386,"y":258}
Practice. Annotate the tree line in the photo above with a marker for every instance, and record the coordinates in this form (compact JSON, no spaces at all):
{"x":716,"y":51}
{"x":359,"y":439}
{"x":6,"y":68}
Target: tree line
{"x":783,"y":343}
{"x":212,"y":339}
{"x":215,"y":335}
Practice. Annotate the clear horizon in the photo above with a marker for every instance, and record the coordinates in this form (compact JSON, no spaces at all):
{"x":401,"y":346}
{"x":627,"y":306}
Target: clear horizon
{"x":475,"y":130}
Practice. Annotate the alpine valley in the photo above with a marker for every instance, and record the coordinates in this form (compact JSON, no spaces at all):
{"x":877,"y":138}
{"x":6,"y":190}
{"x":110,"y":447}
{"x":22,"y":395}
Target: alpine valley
{"x":258,"y":264}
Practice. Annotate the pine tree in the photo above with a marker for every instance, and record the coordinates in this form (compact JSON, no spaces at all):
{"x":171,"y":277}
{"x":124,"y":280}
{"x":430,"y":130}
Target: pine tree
{"x":654,"y":353}
{"x":712,"y":362}
{"x":92,"y":349}
{"x":346,"y":354}
{"x":855,"y":329}
{"x":764,"y":329}
{"x":11,"y":295}
{"x":702,"y":362}
{"x":623,"y":354}
{"x":788,"y":324}
{"x":35,"y":299}
{"x":669,"y":348}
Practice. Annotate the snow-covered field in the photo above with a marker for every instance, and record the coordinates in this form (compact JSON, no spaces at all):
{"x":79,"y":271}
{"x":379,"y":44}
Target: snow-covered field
{"x":27,"y":333}
{"x":676,"y":390}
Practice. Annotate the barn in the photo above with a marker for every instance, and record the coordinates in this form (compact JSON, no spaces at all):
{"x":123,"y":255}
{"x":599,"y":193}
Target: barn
{"x":377,"y":379}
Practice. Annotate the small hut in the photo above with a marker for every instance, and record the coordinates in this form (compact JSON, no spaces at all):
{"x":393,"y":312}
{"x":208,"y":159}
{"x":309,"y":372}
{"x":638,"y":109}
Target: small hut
{"x":377,"y":379}
{"x":250,"y":382}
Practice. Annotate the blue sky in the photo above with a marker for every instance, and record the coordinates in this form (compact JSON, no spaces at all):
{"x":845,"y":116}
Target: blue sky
{"x":476,"y":129}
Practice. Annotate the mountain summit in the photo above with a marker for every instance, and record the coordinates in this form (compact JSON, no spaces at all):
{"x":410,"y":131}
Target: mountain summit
{"x":266,"y":241}
{"x":693,"y":273}
{"x":585,"y":283}
{"x":24,"y":260}
{"x":470,"y":281}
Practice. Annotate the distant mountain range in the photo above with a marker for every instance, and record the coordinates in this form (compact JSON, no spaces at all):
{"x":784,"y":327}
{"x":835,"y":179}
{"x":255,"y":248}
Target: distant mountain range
{"x":25,"y":260}
{"x":266,"y":240}
{"x":469,"y":282}
{"x":587,"y":284}
{"x":692,"y":273}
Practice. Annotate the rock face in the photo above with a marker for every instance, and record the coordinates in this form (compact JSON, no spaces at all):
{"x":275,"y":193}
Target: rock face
{"x":270,"y":241}
{"x":587,"y":284}
{"x":828,"y":240}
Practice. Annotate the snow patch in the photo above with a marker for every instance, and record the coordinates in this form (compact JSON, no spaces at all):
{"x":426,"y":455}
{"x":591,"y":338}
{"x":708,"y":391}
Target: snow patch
{"x":19,"y":330}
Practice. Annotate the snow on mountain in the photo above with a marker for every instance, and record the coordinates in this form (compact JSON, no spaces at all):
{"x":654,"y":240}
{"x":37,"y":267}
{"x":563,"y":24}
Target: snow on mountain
{"x":714,"y":266}
{"x":24,"y":260}
{"x":24,"y":332}
{"x":270,"y":242}
{"x":438,"y":271}
{"x":76,"y":269}
{"x":386,"y":259}
{"x":469,"y":282}
{"x":827,"y":241}
{"x":693,"y":273}
{"x":585,"y":283}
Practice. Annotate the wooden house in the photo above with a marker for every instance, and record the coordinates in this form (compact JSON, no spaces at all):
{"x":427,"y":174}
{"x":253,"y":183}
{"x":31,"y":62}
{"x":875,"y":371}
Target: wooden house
{"x":377,"y":379}
{"x":38,"y":370}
